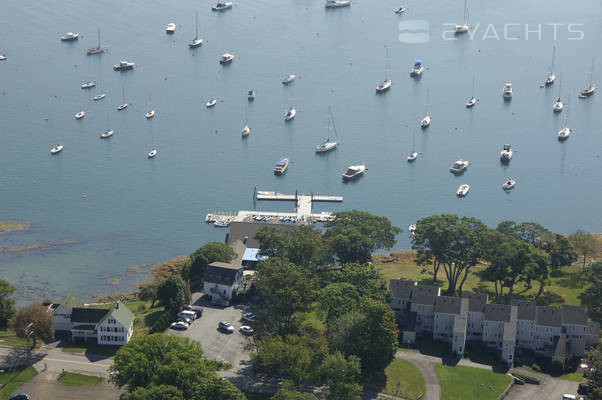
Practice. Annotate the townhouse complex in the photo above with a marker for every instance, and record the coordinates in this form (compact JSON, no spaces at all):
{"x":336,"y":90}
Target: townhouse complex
{"x":555,"y":332}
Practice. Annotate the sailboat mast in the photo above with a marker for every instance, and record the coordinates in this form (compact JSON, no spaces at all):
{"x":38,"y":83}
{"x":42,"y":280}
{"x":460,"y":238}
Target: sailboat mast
{"x":196,"y":36}
{"x":99,"y":37}
{"x":331,"y":120}
{"x":386,"y":63}
{"x":591,"y":74}
{"x":465,"y":10}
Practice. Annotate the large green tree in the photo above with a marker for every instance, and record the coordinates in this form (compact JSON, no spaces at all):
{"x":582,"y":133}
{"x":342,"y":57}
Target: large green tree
{"x":33,"y":322}
{"x":366,"y":279}
{"x":341,"y":377}
{"x":288,"y":394}
{"x":338,"y":298}
{"x":585,"y":243}
{"x":172,"y":293}
{"x":433,"y":239}
{"x":594,"y":374}
{"x":208,"y":253}
{"x":304,"y":246}
{"x":161,"y":392}
{"x":592,"y":294}
{"x":7,"y":305}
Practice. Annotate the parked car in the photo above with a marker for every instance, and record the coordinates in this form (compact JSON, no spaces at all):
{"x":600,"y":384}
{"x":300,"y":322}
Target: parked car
{"x":19,"y":396}
{"x":584,"y":388}
{"x":198,"y":310}
{"x":225,"y":327}
{"x":188,"y":321}
{"x":179,"y":326}
{"x":569,"y":397}
{"x":187,"y":314}
{"x":249,"y":317}
{"x":246,"y":330}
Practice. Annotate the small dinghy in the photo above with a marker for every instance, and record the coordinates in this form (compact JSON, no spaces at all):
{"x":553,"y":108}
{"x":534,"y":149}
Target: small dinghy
{"x":99,"y":97}
{"x":509,"y":184}
{"x":471,"y":102}
{"x":107,"y":134}
{"x":152,"y":153}
{"x":564,"y":134}
{"x":251,"y":95}
{"x":88,"y":85}
{"x":211,"y":103}
{"x":400,"y":10}
{"x":412,"y":156}
{"x":57,"y":149}
{"x":122,"y":107}
{"x":150,"y":114}
{"x":463,"y":190}
{"x":288,"y":79}
{"x":226,"y":59}
{"x":245,"y":131}
{"x":80,"y":114}
{"x":171,"y":28}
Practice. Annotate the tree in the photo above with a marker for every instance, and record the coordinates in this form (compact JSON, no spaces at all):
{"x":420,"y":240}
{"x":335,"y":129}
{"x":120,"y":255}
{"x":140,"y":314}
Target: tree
{"x":338,"y":298}
{"x":341,"y":376}
{"x":7,"y":305}
{"x":283,"y":289}
{"x":561,"y":251}
{"x":288,"y":394}
{"x":172,"y":293}
{"x":594,"y":374}
{"x":433,"y":240}
{"x":585,"y":243}
{"x":351,"y":246}
{"x":148,"y":292}
{"x":304,"y":246}
{"x":33,"y":321}
{"x":592,"y":294}
{"x":369,"y":333}
{"x":208,"y":253}
{"x":530,"y":232}
{"x":366,"y":279}
{"x":161,"y":392}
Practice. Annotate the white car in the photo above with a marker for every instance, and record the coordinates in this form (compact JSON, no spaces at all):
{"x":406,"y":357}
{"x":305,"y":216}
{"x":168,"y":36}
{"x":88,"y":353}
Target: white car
{"x":180,"y":326}
{"x":246,"y":330}
{"x":225,"y":327}
{"x":249,"y":317}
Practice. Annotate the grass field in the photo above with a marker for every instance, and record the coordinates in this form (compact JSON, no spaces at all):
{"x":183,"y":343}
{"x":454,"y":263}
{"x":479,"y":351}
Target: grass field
{"x":563,"y":289}
{"x":460,"y":383}
{"x":8,"y":338}
{"x":71,"y":379}
{"x":403,"y":380}
{"x":14,"y":380}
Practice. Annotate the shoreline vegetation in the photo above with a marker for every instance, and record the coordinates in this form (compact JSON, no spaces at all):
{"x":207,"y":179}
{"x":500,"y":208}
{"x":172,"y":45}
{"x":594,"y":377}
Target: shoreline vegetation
{"x":13,"y":226}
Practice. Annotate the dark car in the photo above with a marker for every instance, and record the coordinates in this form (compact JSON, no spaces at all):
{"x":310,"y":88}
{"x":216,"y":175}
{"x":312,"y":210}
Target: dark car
{"x":19,"y":396}
{"x":196,"y":309}
{"x":584,"y":388}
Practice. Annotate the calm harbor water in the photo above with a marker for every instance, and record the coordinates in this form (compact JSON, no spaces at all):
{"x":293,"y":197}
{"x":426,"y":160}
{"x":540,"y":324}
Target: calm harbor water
{"x":139,"y":211}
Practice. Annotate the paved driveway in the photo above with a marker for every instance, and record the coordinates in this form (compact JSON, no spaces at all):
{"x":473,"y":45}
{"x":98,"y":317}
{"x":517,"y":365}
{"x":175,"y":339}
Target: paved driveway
{"x":549,"y":388}
{"x":233,"y":348}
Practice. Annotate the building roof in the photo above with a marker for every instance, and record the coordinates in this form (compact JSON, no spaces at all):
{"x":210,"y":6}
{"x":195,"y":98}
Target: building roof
{"x":549,"y":316}
{"x":246,"y":231}
{"x":401,"y":288}
{"x":448,"y":305}
{"x":574,"y":315}
{"x":477,"y":301}
{"x":498,"y":312}
{"x":85,"y":315}
{"x":251,"y":254}
{"x":221,"y":273}
{"x":121,"y":313}
{"x":69,"y":302}
{"x":526,"y":309}
{"x":425,"y":294}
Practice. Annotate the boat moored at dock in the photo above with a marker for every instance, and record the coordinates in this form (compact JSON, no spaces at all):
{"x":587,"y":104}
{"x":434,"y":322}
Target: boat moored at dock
{"x":281,"y":166}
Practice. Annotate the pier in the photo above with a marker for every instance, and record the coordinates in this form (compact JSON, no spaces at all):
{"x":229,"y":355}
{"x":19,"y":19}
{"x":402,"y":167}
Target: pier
{"x":303,"y":211}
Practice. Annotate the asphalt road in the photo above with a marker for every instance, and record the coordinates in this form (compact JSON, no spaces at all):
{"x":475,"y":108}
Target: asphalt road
{"x":55,"y":361}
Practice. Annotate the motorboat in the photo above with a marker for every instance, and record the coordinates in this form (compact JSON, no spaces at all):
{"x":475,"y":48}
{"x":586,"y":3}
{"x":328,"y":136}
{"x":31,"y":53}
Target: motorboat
{"x":383,"y":86}
{"x":412,"y":229}
{"x":150,"y":114}
{"x":99,"y":97}
{"x":471,"y":102}
{"x":506,"y":153}
{"x":400,"y":10}
{"x":412,"y":156}
{"x":171,"y":28}
{"x":326,"y":146}
{"x":426,"y":121}
{"x":211,"y":103}
{"x":353,"y":172}
{"x":463,"y":190}
{"x":281,"y":167}
{"x":197,"y":41}
{"x":122,"y":106}
{"x":417,"y":69}
{"x":558,"y":105}
{"x":226,"y":59}
{"x":290,"y":114}
{"x":124,"y":66}
{"x":222,"y":5}
{"x":88,"y":85}
{"x":459,"y":166}
{"x":2,"y":57}
{"x":509,"y":184}
{"x":80,"y":114}
{"x":245,"y":131}
{"x":465,"y":25}
{"x":507,"y":91}
{"x":70,"y":37}
{"x":221,"y":224}
{"x":337,"y":3}
{"x":98,"y":49}
{"x":288,"y":79}
{"x":564,"y":134}
{"x":251,"y":94}
{"x":107,"y":134}
{"x":57,"y":149}
{"x":152,"y":153}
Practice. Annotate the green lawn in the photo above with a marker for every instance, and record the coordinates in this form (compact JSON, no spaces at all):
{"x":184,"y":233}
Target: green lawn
{"x":83,"y":348}
{"x":460,"y":383}
{"x":11,"y":381}
{"x":8,"y":338}
{"x":71,"y":379}
{"x":403,"y":380}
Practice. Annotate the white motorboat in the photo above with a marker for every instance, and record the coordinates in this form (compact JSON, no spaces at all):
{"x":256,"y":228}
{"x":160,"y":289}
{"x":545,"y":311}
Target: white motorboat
{"x":80,"y":114}
{"x":507,"y":91}
{"x":558,"y":105}
{"x":70,"y":37}
{"x":107,"y":134}
{"x":509,"y":184}
{"x":197,"y":41}
{"x":459,"y":166}
{"x":124,"y":66}
{"x":417,"y":69}
{"x":471,"y":102}
{"x":171,"y":28}
{"x":463,"y":190}
{"x":281,"y":167}
{"x":221,"y":224}
{"x":551,"y":78}
{"x":506,"y":153}
{"x":564,"y":133}
{"x":122,"y":106}
{"x":222,"y":5}
{"x":329,"y":145}
{"x":386,"y":84}
{"x":412,"y":229}
{"x":290,"y":114}
{"x":226,"y":59}
{"x":353,"y":172}
{"x":88,"y":85}
{"x":465,"y":25}
{"x":150,"y":114}
{"x":99,"y":97}
{"x":426,"y":121}
{"x":288,"y":79}
{"x":57,"y":149}
{"x":337,"y":3}
{"x":152,"y":153}
{"x":2,"y":57}
{"x":400,"y":10}
{"x":251,"y":94}
{"x":245,"y":131}
{"x":412,"y":156}
{"x":211,"y":103}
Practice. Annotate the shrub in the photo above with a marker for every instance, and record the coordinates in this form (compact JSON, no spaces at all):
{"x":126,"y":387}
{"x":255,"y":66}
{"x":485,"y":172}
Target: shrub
{"x":162,"y":323}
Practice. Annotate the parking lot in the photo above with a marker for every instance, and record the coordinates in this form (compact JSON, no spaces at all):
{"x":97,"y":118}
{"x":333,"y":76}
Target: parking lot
{"x":233,"y":348}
